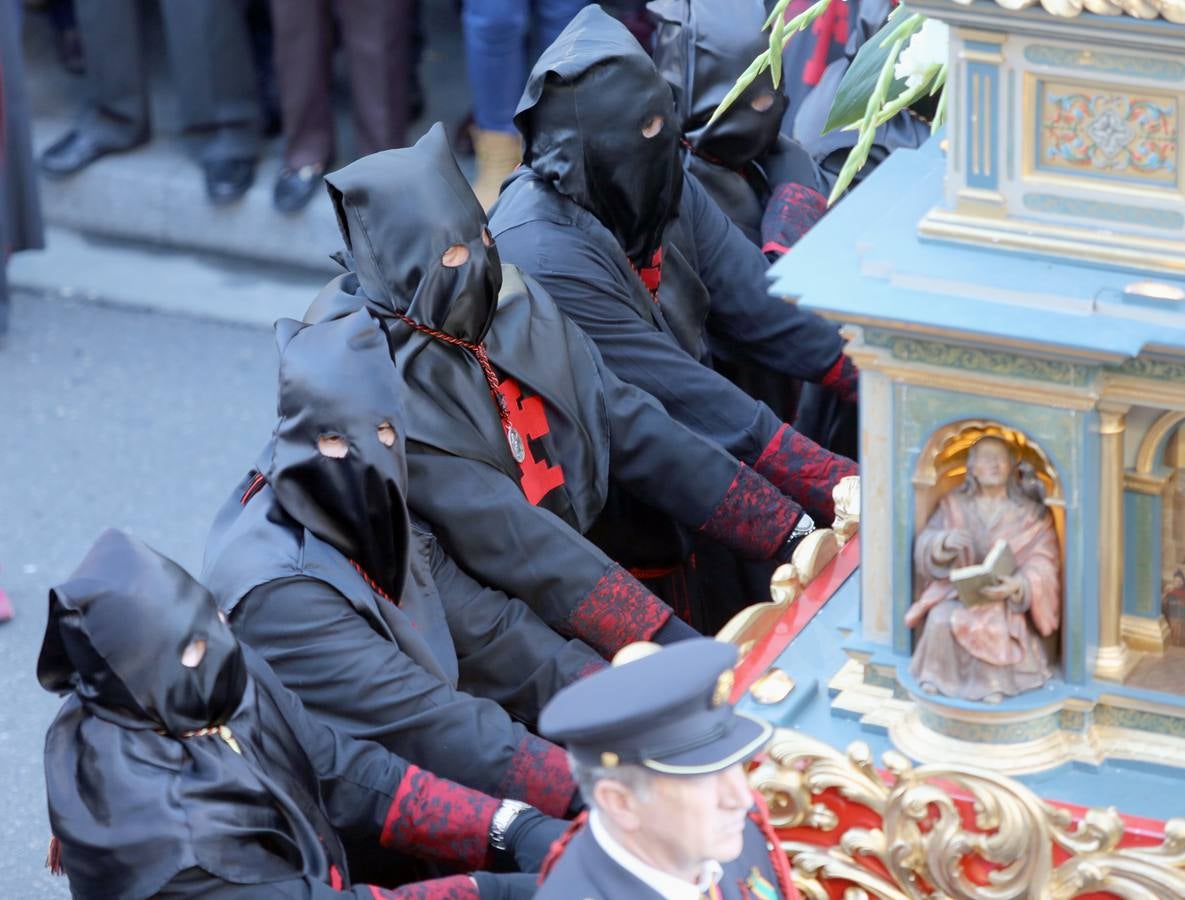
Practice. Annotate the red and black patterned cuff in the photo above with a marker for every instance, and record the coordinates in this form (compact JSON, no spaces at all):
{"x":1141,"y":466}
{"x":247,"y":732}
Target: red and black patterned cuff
{"x":844,"y":379}
{"x":754,"y":518}
{"x":804,"y":471}
{"x":618,"y":611}
{"x":539,"y":774}
{"x":455,"y":887}
{"x":439,"y":819}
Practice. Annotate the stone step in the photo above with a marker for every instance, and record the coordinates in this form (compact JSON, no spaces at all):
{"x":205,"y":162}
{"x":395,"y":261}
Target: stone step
{"x":121,"y":273}
{"x":156,"y":195}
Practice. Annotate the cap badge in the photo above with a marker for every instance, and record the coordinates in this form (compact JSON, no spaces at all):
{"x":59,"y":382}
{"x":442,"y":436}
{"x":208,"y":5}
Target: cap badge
{"x":609,"y":760}
{"x":723,"y":687}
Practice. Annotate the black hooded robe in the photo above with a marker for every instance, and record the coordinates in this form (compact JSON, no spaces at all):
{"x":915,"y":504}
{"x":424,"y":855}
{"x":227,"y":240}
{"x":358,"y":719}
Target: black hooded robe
{"x":519,"y":524}
{"x":709,"y":280}
{"x":380,"y":646}
{"x":701,"y":48}
{"x":170,"y":781}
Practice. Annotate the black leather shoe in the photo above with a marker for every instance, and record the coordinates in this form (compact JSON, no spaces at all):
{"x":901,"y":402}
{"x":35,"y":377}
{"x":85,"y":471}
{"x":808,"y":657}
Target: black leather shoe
{"x":77,"y":149}
{"x":228,"y":179}
{"x":295,"y":188}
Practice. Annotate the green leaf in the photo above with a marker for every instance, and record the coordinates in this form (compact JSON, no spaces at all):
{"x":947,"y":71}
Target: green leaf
{"x":860,"y":80}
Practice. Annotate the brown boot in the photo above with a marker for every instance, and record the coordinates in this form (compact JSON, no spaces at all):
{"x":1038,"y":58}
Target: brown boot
{"x":498,"y":153}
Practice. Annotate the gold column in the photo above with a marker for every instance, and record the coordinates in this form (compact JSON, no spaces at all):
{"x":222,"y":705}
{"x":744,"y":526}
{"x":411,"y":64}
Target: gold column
{"x":1113,"y":661}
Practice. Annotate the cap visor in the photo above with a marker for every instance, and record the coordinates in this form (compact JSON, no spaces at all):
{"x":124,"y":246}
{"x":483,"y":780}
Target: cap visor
{"x":747,"y":737}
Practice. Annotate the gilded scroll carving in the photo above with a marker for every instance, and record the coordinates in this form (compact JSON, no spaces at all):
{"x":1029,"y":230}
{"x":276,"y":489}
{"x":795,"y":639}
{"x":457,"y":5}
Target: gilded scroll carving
{"x":928,"y":847}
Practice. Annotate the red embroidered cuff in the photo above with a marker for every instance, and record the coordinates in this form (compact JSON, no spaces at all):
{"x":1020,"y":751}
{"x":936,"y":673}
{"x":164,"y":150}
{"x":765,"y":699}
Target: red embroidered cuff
{"x":539,"y":774}
{"x":843,"y":379}
{"x":618,"y":611}
{"x":804,"y":471}
{"x":455,"y":887}
{"x":774,"y":247}
{"x":754,"y":518}
{"x":439,"y":819}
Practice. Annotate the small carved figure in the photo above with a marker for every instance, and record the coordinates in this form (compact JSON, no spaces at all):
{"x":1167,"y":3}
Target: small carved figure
{"x":992,"y":647}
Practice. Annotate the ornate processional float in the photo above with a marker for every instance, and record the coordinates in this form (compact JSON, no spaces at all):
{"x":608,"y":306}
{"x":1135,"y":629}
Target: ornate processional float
{"x":995,"y":630}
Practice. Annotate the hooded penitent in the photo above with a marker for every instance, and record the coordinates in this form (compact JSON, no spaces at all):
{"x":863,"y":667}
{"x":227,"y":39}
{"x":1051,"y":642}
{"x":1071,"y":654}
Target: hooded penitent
{"x":600,"y":125}
{"x":496,"y":511}
{"x":701,"y":48}
{"x":145,"y":739}
{"x":361,"y":614}
{"x":399,"y":211}
{"x":337,"y":465}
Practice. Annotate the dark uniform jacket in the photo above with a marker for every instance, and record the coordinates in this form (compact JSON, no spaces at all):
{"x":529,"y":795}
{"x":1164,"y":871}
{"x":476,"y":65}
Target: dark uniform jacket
{"x":380,"y":646}
{"x":213,"y":781}
{"x":709,"y":280}
{"x":519,"y":524}
{"x":584,"y":871}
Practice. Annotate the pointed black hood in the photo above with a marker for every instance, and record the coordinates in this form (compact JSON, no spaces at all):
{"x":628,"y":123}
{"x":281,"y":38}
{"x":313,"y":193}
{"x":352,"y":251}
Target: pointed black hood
{"x":701,"y":48}
{"x":139,"y":785}
{"x":337,"y":381}
{"x":134,"y":675}
{"x":397,"y":257}
{"x":587,"y":102}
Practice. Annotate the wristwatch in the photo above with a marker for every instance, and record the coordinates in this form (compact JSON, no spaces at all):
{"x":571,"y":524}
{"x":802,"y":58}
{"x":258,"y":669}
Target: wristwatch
{"x":504,"y":817}
{"x":803,"y":527}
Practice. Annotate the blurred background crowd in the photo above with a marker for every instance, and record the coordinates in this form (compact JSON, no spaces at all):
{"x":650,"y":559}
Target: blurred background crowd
{"x":244,"y":71}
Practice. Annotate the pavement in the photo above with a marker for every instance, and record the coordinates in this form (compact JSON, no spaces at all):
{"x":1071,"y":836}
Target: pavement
{"x":137,"y":380}
{"x":119,"y":417}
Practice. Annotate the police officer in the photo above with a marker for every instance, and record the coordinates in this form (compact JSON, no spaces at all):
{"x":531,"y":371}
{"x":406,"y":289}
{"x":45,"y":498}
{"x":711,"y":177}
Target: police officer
{"x":659,"y":753}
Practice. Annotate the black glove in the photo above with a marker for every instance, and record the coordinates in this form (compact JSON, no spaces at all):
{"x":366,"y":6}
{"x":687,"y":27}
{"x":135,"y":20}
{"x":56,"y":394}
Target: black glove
{"x":673,"y":630}
{"x":505,"y":887}
{"x":791,"y":211}
{"x":530,"y":836}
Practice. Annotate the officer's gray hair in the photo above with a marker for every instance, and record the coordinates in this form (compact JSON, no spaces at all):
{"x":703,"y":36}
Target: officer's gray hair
{"x":636,"y":779}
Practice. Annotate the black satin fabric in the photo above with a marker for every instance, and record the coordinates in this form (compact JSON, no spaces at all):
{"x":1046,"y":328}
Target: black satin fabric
{"x":586,"y":103}
{"x":400,"y":196}
{"x":134,"y":800}
{"x":701,"y":48}
{"x":336,"y":379}
{"x":399,"y":264}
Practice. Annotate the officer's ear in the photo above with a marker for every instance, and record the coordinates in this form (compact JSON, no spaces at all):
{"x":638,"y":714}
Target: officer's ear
{"x":619,"y":804}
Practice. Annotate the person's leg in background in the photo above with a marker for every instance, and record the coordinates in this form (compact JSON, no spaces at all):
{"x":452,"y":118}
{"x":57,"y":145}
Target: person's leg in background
{"x":548,"y":19}
{"x":114,"y":115}
{"x":496,"y":57}
{"x":303,"y":31}
{"x":376,"y":37}
{"x":210,"y":56}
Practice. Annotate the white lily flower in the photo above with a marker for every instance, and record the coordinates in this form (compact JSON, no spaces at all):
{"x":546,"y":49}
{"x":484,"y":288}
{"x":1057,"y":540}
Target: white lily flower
{"x":927,"y":48}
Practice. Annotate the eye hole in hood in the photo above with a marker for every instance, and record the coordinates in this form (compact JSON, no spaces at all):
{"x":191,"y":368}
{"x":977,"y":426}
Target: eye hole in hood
{"x":588,"y":103}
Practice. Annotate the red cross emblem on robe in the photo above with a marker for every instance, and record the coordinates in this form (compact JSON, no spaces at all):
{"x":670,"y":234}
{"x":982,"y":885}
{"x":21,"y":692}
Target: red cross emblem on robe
{"x":529,"y":418}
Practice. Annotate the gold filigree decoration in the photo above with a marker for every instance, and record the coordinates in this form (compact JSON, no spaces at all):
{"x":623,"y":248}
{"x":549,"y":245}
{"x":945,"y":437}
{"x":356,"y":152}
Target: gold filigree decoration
{"x":923,"y":846}
{"x":813,"y":555}
{"x":1172,"y":10}
{"x":847,"y":508}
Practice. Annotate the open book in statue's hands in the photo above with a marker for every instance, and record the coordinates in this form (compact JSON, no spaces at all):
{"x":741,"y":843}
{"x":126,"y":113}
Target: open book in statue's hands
{"x":970,"y":581}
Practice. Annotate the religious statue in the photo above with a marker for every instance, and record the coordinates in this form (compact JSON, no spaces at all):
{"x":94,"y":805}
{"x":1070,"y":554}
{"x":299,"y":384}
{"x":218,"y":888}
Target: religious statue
{"x":988,"y":564}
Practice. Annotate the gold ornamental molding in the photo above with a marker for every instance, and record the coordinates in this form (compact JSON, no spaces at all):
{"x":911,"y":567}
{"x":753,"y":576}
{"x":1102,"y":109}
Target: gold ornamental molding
{"x":926,"y":845}
{"x":1172,"y":10}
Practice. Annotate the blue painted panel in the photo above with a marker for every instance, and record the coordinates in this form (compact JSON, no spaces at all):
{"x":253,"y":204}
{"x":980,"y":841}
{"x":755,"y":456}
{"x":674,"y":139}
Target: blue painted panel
{"x":1142,"y":526}
{"x":865,"y":259}
{"x":983,"y":123}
